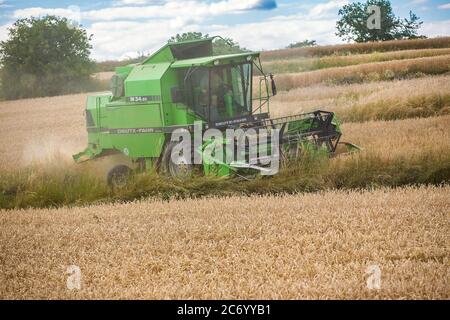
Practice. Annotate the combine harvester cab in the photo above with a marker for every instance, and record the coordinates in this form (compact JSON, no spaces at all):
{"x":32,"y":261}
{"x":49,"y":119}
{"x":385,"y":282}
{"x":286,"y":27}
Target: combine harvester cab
{"x":183,"y":86}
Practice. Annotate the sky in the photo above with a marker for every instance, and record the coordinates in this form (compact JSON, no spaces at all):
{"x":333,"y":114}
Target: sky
{"x":124,"y":28}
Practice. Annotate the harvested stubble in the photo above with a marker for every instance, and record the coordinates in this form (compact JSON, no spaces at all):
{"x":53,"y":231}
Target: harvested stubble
{"x":36,"y":129}
{"x":365,"y":72}
{"x":302,"y":246}
{"x":367,"y":47}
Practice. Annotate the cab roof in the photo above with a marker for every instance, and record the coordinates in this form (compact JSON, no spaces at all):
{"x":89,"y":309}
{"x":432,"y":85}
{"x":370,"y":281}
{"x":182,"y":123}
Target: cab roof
{"x":214,"y":60}
{"x":173,"y":51}
{"x":194,"y":53}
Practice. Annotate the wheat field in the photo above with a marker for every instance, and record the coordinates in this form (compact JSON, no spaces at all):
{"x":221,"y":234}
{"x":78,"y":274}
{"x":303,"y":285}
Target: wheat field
{"x":365,"y":72}
{"x":431,"y":93}
{"x":357,"y":48}
{"x":302,"y":246}
{"x":269,"y":245}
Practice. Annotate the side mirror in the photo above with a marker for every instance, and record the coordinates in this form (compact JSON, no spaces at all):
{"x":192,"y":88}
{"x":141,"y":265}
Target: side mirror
{"x":274,"y":87}
{"x":117,"y":85}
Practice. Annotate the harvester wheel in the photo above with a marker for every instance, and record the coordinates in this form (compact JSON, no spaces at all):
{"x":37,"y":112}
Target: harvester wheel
{"x":182,"y":167}
{"x":118,"y":176}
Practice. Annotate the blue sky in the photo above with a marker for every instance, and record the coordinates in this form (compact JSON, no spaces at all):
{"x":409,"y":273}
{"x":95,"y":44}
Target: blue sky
{"x":122,"y":28}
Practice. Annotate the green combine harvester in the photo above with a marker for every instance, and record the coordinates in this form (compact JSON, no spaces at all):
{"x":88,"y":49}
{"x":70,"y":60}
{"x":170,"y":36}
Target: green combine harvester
{"x":183,"y":86}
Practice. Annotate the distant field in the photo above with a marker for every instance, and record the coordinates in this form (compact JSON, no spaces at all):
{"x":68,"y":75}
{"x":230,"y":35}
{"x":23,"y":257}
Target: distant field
{"x":309,"y":64}
{"x":34,"y":129}
{"x":104,"y":76}
{"x":332,"y":50}
{"x":383,"y":100}
{"x":357,"y":48}
{"x":368,"y":72}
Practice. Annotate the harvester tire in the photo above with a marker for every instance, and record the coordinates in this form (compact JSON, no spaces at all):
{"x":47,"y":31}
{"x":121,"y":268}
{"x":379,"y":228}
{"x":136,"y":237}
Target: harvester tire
{"x":118,"y":176}
{"x":168,"y":167}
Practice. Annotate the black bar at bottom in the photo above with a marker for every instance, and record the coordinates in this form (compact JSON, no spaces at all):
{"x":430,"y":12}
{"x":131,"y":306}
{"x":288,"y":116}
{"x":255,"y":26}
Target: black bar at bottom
{"x":228,"y":309}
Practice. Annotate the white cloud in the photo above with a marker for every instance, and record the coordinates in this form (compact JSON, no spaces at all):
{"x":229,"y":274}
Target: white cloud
{"x":436,"y":29}
{"x":168,"y":9}
{"x":120,"y":31}
{"x":134,"y":26}
{"x":445,"y":6}
{"x":71,"y":12}
{"x":280,"y":31}
{"x":273,"y":33}
{"x":3,"y":4}
{"x":4,"y":31}
{"x":127,"y":2}
{"x":327,"y":8}
{"x":194,"y":9}
{"x":122,"y":39}
{"x":424,"y":9}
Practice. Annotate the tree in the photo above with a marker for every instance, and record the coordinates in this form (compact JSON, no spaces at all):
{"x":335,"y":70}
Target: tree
{"x":187,"y":36}
{"x":411,"y":25}
{"x":44,"y":56}
{"x":359,"y":22}
{"x":302,"y":44}
{"x":220,"y":45}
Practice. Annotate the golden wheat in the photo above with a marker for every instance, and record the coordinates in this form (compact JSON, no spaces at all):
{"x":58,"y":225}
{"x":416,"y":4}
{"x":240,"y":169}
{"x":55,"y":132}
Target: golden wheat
{"x":401,"y":138}
{"x":307,"y":64}
{"x":345,"y":99}
{"x":365,"y":72}
{"x":302,"y":246}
